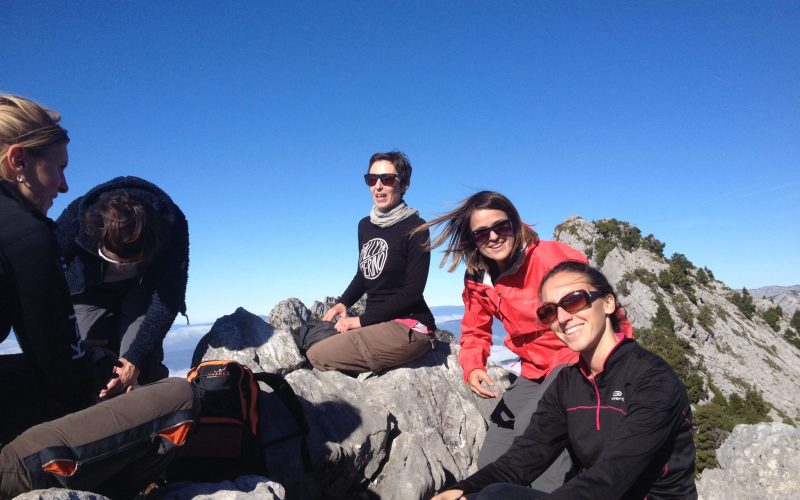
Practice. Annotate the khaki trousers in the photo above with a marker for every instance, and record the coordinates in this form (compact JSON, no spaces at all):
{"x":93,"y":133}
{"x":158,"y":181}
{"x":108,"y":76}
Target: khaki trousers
{"x":114,"y":448}
{"x":372,"y":348}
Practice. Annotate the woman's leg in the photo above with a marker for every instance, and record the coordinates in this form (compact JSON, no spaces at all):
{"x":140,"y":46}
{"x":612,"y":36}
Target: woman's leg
{"x":133,"y":309}
{"x":510,"y":419}
{"x":119,"y":445}
{"x":97,"y":313}
{"x":372,"y":348}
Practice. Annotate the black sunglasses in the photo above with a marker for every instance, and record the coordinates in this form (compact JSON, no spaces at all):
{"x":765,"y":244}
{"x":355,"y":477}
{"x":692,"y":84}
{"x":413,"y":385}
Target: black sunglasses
{"x":501,"y":228}
{"x":387,"y":180}
{"x":572,"y":303}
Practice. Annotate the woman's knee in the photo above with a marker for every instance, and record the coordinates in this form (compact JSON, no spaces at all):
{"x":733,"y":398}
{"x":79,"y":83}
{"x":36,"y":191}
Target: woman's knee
{"x":324,"y":355}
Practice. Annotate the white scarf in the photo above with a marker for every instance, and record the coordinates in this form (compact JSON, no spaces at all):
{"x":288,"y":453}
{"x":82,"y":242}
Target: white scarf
{"x":393,"y":216}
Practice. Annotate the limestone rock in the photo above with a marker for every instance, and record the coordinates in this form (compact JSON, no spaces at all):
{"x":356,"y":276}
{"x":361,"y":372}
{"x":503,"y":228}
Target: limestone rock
{"x":398,"y":435}
{"x":242,"y":337}
{"x":59,"y":494}
{"x":756,"y":461}
{"x":243,"y":487}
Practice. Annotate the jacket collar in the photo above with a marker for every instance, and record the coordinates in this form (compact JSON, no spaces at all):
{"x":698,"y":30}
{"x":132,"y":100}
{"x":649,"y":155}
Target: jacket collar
{"x":10,"y":191}
{"x":484,"y":277}
{"x":614,"y":359}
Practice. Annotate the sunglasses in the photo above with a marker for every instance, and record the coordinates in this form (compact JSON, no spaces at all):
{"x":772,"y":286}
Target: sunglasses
{"x":387,"y":180}
{"x":500,"y":228}
{"x":572,"y":303}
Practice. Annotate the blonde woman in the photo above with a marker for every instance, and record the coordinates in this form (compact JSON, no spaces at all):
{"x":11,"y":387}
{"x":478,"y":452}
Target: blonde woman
{"x":53,"y":375}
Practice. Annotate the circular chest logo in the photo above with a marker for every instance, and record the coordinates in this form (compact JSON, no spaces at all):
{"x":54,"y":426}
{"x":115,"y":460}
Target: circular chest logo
{"x":373,"y":257}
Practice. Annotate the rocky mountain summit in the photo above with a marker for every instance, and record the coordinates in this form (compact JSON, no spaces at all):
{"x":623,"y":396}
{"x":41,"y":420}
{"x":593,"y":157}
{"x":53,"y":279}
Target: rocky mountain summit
{"x":408,"y":432}
{"x":787,"y":297}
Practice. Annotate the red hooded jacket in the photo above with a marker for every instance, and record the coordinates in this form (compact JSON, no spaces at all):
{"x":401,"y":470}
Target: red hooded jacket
{"x":513,"y":299}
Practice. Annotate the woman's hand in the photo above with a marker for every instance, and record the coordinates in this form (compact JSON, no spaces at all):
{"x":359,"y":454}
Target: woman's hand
{"x":127,"y":374}
{"x":474,"y":380}
{"x":334,"y":312}
{"x":449,"y":495}
{"x":347,"y":323}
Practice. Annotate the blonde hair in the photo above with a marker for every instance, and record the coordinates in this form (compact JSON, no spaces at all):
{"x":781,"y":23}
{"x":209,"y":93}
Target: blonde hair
{"x":29,"y":125}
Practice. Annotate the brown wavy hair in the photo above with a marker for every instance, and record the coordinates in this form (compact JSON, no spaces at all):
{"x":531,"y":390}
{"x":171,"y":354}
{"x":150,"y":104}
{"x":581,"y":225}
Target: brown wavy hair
{"x":126,"y":225}
{"x":456,"y":232}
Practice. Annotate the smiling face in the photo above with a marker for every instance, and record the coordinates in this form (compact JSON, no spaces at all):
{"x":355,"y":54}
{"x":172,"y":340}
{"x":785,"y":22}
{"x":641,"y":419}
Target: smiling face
{"x":385,"y":197}
{"x":587,"y":331}
{"x":44,"y":177}
{"x":496,"y":247}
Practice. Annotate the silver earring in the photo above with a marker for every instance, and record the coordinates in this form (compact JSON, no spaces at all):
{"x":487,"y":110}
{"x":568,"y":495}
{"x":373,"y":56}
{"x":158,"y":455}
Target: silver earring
{"x":20,"y":178}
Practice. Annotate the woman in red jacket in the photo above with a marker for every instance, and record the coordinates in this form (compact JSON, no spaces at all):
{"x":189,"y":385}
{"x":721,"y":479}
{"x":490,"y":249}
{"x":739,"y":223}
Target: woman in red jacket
{"x":505,"y":262}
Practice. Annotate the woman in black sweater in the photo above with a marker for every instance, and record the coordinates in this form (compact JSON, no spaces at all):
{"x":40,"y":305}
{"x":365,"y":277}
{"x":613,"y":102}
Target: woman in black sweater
{"x":621,"y":409}
{"x":396,"y":326}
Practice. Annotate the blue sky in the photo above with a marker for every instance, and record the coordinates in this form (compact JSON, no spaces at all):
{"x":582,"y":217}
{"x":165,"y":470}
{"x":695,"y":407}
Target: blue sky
{"x":682,"y":118}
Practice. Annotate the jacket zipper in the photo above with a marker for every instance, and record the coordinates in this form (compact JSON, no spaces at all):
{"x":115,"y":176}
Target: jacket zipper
{"x":597,"y":411}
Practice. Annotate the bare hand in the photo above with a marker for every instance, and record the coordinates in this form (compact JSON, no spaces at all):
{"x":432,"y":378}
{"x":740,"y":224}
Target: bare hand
{"x":474,"y":380}
{"x":334,"y":312}
{"x":449,"y":495}
{"x":127,"y":375}
{"x":347,"y":323}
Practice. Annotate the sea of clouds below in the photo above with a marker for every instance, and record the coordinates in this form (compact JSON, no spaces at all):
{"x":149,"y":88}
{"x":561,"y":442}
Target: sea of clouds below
{"x":181,"y":340}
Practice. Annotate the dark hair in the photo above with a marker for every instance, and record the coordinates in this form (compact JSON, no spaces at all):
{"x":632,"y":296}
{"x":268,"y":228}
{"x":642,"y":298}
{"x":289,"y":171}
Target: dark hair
{"x":400,"y":162}
{"x":126,"y":225}
{"x":595,"y":278}
{"x":458,"y":234}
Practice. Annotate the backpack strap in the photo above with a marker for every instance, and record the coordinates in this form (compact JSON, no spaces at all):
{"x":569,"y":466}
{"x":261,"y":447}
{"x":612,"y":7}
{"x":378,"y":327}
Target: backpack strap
{"x":289,"y":399}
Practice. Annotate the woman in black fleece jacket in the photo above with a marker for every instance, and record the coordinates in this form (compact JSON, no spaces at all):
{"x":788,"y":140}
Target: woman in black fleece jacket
{"x":621,"y":409}
{"x":126,"y":247}
{"x":396,"y":326}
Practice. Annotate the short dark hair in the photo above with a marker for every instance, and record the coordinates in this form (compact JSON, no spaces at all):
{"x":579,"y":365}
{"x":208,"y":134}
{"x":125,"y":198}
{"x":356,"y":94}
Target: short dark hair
{"x":125,"y":224}
{"x":400,"y":162}
{"x":595,"y":278}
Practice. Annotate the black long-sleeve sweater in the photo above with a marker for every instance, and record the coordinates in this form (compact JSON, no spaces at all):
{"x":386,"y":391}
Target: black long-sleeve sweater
{"x":392,"y":271}
{"x":630,"y":429}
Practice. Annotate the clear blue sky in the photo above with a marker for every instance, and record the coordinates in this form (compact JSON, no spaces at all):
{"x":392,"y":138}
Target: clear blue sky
{"x":259,"y":118}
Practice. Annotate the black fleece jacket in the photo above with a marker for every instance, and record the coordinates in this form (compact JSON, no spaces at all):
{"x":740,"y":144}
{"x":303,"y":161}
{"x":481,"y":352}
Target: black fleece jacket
{"x":35,"y":302}
{"x":165,"y":277}
{"x":392,"y":271}
{"x":630,"y":429}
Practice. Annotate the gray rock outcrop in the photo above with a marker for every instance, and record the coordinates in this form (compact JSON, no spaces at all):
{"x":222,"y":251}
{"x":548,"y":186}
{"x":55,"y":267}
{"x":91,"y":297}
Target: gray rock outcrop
{"x":402,"y":434}
{"x":755,"y":462}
